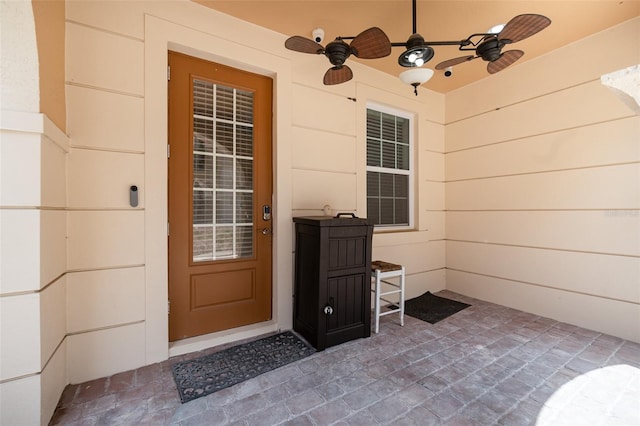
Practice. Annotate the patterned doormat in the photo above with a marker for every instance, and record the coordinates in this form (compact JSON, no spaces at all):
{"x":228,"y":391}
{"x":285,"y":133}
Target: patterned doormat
{"x":211,"y":373}
{"x":431,"y":308}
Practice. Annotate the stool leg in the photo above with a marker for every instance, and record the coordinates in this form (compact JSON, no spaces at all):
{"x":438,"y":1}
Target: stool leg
{"x":377,"y":304}
{"x":402,"y":297}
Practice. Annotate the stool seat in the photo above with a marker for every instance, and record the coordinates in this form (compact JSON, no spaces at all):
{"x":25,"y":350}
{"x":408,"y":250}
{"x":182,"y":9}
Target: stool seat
{"x":380,"y":271}
{"x":384,"y":266}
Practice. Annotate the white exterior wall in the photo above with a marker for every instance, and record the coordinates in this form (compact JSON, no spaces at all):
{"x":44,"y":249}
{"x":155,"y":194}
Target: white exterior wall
{"x":543,"y":187}
{"x":117,"y":124}
{"x":32,"y":266}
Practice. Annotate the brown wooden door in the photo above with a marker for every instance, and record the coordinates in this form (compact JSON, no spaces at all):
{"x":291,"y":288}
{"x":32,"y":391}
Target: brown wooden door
{"x":220,"y":185}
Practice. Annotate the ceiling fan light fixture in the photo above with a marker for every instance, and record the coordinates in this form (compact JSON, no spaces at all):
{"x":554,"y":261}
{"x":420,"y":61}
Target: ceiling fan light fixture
{"x":415,"y":77}
{"x":416,"y":57}
{"x":417,"y":54}
{"x":496,"y":29}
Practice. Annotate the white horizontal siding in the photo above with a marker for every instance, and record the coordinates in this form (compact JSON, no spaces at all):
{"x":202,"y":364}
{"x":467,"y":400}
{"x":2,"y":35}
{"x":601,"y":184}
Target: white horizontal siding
{"x":323,"y":110}
{"x":105,"y":120}
{"x":105,"y":239}
{"x":315,"y":149}
{"x":576,"y":106}
{"x":543,"y":189}
{"x":104,"y":298}
{"x":607,"y":276}
{"x":602,"y":188}
{"x":603,"y":143}
{"x":102,"y":179}
{"x":105,"y":60}
{"x":101,"y":353}
{"x":311,"y":190}
{"x":594,"y":231}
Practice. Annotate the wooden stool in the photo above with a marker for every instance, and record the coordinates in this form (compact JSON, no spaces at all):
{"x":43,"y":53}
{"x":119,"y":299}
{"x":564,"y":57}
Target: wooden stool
{"x":380,"y":271}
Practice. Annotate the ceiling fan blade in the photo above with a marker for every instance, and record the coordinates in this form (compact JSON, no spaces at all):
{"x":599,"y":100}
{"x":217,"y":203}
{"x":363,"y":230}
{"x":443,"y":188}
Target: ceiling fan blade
{"x":523,"y":26}
{"x":303,"y":45}
{"x":337,"y":75}
{"x":506,"y":59}
{"x":454,"y":61}
{"x":371,"y":44}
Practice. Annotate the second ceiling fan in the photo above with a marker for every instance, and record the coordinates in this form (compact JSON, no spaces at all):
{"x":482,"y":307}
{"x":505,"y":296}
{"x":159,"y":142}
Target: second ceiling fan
{"x":489,"y":47}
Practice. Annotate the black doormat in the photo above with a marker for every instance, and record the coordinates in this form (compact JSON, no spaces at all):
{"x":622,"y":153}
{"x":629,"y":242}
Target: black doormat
{"x":211,"y":373}
{"x":431,"y":308}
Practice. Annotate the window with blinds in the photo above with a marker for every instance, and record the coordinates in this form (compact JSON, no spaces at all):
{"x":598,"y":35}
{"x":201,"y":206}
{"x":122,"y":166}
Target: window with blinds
{"x":388,"y":168}
{"x":222,"y":172}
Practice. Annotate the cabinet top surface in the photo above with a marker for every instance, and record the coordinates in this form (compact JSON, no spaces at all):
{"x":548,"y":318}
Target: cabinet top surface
{"x":332,"y":221}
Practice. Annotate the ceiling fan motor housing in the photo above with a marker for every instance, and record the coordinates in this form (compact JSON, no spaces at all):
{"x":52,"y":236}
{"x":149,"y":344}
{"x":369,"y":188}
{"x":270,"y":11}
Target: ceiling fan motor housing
{"x":415,"y":40}
{"x":489,"y":49}
{"x":337,"y":51}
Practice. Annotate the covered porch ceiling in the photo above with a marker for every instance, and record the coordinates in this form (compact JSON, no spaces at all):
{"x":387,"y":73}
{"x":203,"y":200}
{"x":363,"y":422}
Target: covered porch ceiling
{"x":436,"y":20}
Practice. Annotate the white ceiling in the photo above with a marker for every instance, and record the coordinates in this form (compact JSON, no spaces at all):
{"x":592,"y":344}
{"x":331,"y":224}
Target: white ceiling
{"x":436,"y":20}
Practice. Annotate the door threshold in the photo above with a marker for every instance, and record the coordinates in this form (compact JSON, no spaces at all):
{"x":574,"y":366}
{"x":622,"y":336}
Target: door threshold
{"x":198,"y":343}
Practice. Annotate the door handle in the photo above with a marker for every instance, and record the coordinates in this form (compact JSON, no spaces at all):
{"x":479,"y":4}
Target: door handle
{"x":265,"y":231}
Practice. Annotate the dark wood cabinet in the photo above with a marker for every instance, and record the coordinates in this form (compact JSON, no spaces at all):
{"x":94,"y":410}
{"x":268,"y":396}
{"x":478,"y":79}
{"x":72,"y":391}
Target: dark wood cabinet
{"x":332,"y":281}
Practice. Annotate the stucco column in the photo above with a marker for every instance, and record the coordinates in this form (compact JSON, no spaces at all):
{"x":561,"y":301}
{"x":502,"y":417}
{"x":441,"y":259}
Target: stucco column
{"x":32,"y":230}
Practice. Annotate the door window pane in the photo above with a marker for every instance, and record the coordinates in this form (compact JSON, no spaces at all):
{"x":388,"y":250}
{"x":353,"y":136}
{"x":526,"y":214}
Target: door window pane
{"x":224,"y":173}
{"x":244,"y":207}
{"x":202,"y":171}
{"x":223,"y":199}
{"x":224,"y":242}
{"x":244,"y":173}
{"x":202,"y":98}
{"x":202,"y":243}
{"x":244,"y":141}
{"x":224,"y":210}
{"x":244,"y":241}
{"x":244,"y":107}
{"x":202,"y":207}
{"x":224,"y":138}
{"x":202,"y":135}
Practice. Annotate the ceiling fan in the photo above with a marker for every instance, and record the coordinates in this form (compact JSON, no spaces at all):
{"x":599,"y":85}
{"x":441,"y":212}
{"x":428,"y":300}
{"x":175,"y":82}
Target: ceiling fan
{"x":488,"y":46}
{"x":372,"y":43}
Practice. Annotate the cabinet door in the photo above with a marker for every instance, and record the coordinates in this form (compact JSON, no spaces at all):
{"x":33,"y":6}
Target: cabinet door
{"x":347,"y":250}
{"x":347,"y":296}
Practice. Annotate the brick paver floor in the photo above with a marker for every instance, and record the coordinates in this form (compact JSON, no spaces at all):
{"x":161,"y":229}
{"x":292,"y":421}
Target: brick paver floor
{"x":485,"y":365}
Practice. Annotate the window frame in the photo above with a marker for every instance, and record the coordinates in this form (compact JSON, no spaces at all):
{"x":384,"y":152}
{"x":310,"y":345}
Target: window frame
{"x":411,"y":117}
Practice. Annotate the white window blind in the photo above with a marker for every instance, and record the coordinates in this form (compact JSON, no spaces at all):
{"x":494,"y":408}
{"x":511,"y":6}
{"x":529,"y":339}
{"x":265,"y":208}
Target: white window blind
{"x":388,"y":168}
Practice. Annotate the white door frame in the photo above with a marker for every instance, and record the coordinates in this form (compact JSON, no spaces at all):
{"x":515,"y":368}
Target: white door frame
{"x":160,"y":37}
